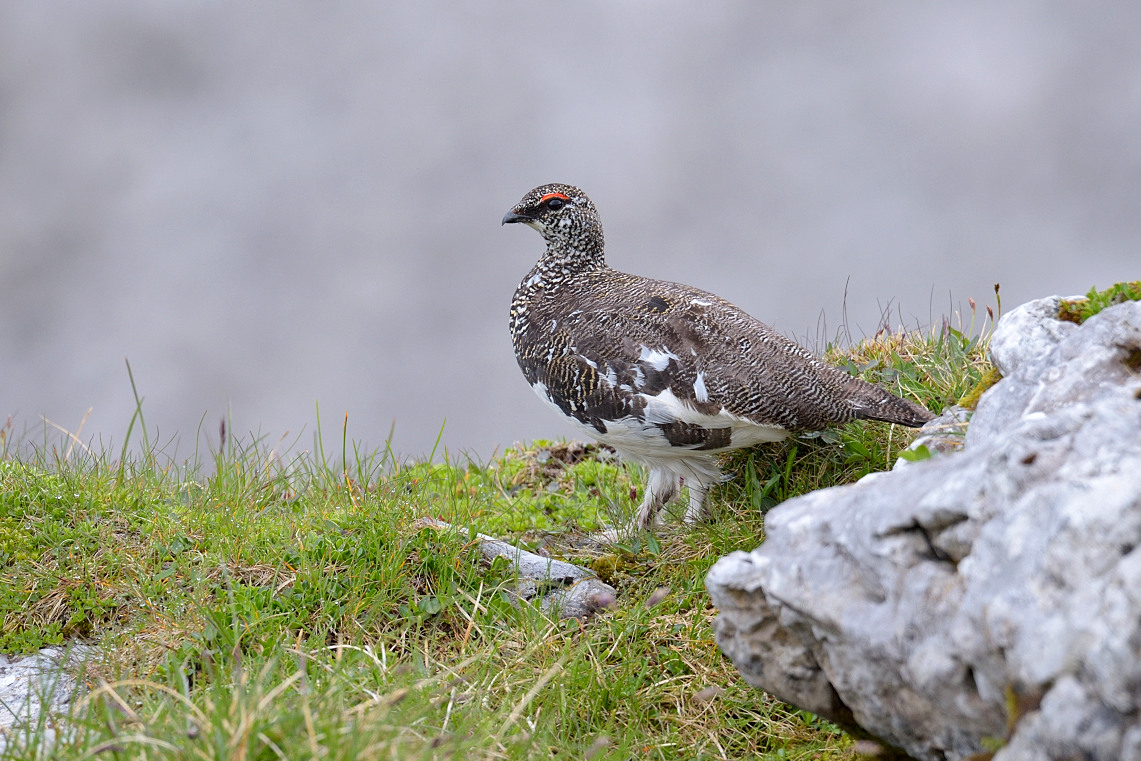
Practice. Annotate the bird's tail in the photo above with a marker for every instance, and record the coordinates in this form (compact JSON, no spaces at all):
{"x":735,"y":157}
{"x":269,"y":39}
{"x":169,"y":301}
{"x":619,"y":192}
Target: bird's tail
{"x":873,"y":403}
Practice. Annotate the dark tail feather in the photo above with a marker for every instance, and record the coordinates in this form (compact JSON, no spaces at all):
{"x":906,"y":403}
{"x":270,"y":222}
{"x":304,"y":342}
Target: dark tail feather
{"x":877,"y":404}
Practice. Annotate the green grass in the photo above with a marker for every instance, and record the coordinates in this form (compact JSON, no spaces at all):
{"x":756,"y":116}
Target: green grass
{"x":1080,"y":310}
{"x":291,"y":608}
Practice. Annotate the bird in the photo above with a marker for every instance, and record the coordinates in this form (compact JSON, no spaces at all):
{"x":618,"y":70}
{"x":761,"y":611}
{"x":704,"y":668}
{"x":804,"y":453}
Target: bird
{"x":666,"y":374}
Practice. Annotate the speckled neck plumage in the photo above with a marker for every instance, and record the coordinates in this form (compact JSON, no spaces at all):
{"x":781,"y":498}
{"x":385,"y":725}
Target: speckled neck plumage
{"x":575,"y":242}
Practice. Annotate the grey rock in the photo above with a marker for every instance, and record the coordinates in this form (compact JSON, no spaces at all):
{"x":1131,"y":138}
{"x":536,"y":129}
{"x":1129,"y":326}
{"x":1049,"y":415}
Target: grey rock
{"x":1027,"y":338}
{"x":946,"y":433}
{"x":548,"y":571}
{"x":569,"y":590}
{"x":581,"y":599}
{"x":31,"y":685}
{"x":919,"y":603}
{"x":1022,"y":349}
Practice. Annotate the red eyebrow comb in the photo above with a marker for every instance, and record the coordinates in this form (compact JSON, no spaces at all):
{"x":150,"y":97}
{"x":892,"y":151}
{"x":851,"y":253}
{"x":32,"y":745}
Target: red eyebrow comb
{"x":554,"y":195}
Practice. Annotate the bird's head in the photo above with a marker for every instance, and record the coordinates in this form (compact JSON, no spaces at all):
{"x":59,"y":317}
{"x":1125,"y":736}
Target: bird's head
{"x":563,"y":215}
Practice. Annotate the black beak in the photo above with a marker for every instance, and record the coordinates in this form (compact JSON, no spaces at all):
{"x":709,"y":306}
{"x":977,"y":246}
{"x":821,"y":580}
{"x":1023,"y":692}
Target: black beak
{"x":511,"y":216}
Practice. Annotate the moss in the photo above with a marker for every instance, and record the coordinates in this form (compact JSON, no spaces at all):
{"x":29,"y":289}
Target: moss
{"x":970,"y":400}
{"x":609,"y":567}
{"x":1080,"y":310}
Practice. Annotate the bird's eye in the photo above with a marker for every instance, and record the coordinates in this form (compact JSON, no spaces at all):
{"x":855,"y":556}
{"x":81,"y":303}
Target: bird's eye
{"x":554,"y":204}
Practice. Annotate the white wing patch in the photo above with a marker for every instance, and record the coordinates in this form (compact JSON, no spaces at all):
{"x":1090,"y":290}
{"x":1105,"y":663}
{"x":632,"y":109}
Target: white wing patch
{"x":659,"y":359}
{"x":666,"y":408}
{"x":644,"y":441}
{"x":700,"y":393}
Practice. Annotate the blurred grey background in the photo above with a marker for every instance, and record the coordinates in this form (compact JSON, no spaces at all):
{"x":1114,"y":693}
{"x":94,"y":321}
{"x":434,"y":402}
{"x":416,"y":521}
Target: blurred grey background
{"x":267,"y":205}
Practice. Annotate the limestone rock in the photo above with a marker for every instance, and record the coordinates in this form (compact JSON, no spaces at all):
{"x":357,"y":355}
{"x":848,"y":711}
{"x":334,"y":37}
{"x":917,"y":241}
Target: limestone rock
{"x":937,"y":604}
{"x":33,"y":684}
{"x":565,"y":589}
{"x":946,"y":433}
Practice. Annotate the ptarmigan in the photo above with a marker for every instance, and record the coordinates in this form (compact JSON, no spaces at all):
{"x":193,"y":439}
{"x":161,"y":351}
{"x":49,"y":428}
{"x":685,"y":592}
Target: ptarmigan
{"x":667,"y":374}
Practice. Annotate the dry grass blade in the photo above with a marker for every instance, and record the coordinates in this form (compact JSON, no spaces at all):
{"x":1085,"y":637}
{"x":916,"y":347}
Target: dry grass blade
{"x":116,"y":745}
{"x":517,"y":711}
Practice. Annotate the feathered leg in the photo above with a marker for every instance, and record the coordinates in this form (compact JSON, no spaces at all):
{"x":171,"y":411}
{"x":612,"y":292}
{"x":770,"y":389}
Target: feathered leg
{"x":695,"y":513}
{"x":661,"y":487}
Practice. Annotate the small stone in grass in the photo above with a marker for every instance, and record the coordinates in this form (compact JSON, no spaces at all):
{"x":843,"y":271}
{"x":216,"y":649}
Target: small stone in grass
{"x":708,"y":694}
